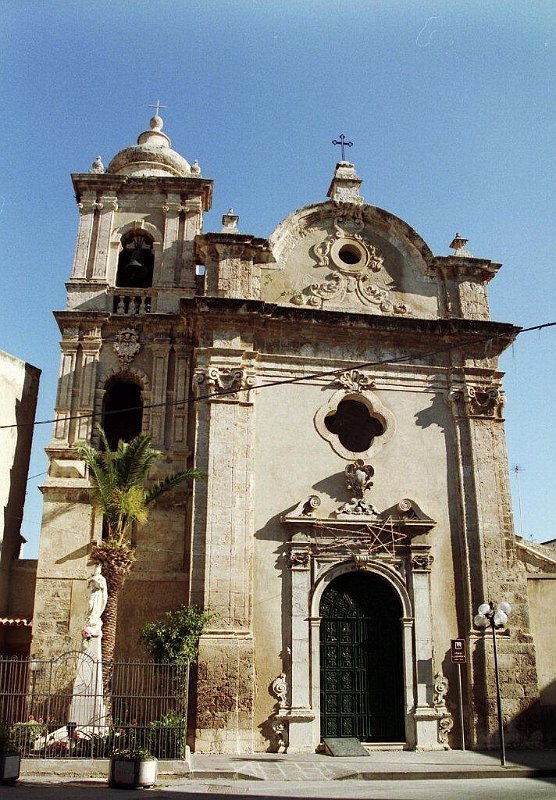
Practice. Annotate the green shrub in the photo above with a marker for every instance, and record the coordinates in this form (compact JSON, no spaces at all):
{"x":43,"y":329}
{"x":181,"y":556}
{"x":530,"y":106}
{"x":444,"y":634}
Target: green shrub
{"x":176,"y":637}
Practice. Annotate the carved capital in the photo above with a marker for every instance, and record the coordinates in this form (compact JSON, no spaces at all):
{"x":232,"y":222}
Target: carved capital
{"x":227,"y":381}
{"x":299,"y":559}
{"x":421,"y":562}
{"x":126,"y":345}
{"x":486,"y":402}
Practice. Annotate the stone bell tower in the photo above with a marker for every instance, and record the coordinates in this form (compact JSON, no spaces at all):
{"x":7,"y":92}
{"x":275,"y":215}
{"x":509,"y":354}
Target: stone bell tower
{"x":124,"y":346}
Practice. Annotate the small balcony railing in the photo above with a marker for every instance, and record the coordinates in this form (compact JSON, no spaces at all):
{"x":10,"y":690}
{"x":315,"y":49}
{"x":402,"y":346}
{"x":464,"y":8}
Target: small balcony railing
{"x":132,"y":303}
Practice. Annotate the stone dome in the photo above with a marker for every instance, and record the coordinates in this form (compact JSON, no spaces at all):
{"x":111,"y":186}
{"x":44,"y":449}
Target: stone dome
{"x":152,"y":156}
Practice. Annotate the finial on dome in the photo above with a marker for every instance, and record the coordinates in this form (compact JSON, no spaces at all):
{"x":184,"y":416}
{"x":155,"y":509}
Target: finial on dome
{"x":97,"y":165}
{"x":229,"y":222}
{"x":156,"y":123}
{"x":458,"y":246}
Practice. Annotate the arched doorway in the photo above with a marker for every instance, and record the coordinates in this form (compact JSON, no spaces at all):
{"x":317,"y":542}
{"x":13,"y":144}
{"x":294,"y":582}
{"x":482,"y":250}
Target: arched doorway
{"x":361,"y":660}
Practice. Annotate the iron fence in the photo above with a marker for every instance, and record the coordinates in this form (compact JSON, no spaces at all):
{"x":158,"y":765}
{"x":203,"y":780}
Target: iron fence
{"x":58,"y":708}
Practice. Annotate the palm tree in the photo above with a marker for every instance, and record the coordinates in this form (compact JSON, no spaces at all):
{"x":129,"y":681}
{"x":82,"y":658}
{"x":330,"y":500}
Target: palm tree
{"x":118,"y":482}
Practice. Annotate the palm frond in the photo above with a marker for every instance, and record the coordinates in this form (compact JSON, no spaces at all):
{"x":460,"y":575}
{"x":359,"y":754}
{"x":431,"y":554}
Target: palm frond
{"x":168,"y":483}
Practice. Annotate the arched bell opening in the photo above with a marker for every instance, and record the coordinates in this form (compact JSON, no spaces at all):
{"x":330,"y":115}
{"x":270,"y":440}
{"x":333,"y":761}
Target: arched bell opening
{"x":122,"y":413}
{"x":135,"y":261}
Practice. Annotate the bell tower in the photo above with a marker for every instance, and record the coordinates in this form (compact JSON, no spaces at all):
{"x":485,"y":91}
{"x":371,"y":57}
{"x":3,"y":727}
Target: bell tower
{"x":125,"y":363}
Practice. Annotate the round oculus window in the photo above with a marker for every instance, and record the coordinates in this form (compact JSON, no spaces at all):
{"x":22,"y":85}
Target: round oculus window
{"x":349,"y":255}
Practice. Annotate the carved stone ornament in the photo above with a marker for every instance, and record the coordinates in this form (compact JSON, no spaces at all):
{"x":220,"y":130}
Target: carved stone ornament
{"x":358,"y":506}
{"x":126,"y":345}
{"x":279,"y":689}
{"x":223,"y":380}
{"x":354,"y":381}
{"x":358,"y":477}
{"x":440,"y":690}
{"x":480,"y":401}
{"x":445,"y":725}
{"x":299,"y":558}
{"x":422,"y":562}
{"x":281,"y":735}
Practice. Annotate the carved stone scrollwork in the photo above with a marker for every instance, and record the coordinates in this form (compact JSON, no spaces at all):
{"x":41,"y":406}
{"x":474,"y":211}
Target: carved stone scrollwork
{"x":440,"y":690}
{"x":126,"y":345}
{"x":445,"y":725}
{"x":223,"y":380}
{"x":354,"y":381}
{"x":358,"y":506}
{"x":281,"y":735}
{"x":421,"y":562}
{"x":279,"y":689}
{"x":479,"y":401}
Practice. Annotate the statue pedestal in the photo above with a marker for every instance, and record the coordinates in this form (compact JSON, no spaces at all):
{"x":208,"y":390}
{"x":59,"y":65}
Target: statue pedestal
{"x":87,"y":706}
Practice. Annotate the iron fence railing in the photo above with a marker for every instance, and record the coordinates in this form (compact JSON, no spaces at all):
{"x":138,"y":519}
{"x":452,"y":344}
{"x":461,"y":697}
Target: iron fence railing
{"x":58,"y":708}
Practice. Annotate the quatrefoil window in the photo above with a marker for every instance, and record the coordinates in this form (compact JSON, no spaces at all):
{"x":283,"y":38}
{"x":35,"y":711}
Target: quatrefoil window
{"x":355,"y":424}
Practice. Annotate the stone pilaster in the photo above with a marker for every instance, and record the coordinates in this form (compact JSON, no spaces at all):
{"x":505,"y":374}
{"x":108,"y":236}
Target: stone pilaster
{"x":66,"y":382}
{"x":172,"y":246}
{"x":179,"y":413}
{"x":223,"y":532}
{"x":106,"y":209}
{"x":87,"y":208}
{"x":492,"y":567}
{"x":160,"y":355}
{"x":90,"y":351}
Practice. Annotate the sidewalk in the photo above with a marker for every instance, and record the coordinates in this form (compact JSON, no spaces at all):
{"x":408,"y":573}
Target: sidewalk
{"x":278,"y":767}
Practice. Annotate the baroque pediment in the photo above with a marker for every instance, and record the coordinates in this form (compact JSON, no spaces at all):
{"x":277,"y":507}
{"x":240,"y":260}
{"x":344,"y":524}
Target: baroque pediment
{"x":341,"y":255}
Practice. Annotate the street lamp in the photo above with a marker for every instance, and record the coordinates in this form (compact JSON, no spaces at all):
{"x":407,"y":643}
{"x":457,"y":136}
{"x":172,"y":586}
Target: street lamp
{"x":495,"y":618}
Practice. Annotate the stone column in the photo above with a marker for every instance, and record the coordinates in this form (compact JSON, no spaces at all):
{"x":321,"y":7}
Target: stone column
{"x":193,"y":210}
{"x":223,"y":531}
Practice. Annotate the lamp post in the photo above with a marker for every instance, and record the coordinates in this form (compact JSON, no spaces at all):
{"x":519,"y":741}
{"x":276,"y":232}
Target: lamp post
{"x":495,"y":618}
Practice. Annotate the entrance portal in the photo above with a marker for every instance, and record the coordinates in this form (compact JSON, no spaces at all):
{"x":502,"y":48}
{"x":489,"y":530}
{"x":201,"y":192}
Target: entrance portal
{"x":361,"y":674}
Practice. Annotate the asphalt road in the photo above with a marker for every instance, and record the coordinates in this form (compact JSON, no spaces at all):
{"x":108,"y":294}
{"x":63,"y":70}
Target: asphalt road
{"x":485,"y":789}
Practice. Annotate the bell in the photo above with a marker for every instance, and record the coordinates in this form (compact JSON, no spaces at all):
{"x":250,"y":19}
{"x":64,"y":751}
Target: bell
{"x":137,"y":271}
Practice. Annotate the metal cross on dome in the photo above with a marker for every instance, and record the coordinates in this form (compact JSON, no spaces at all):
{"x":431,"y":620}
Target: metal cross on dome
{"x":158,"y":106}
{"x":343,"y":144}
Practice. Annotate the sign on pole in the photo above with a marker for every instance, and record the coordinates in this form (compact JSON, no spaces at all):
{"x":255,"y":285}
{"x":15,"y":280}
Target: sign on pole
{"x":458,"y":651}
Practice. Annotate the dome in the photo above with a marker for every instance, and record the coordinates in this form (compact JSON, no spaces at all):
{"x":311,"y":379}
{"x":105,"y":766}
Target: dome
{"x":152,"y":156}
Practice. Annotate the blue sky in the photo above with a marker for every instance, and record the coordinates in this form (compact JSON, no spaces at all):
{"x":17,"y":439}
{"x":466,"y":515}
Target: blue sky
{"x":450,"y":106}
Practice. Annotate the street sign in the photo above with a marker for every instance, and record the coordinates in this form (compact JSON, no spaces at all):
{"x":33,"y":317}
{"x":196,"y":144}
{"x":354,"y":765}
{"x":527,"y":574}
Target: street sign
{"x":458,"y":651}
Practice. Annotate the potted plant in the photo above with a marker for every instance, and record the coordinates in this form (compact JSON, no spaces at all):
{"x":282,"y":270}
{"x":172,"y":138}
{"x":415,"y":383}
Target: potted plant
{"x":10,"y":757}
{"x":132,"y":769}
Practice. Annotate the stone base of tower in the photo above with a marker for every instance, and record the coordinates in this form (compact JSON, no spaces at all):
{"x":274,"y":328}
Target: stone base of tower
{"x":225,"y":693}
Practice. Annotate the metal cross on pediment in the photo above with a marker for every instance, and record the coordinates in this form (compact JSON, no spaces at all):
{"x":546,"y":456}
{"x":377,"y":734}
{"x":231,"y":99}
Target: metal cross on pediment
{"x":343,"y":144}
{"x":158,"y":106}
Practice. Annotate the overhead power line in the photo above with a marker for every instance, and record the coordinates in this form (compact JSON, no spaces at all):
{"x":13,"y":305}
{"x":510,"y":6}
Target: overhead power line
{"x":300,"y":378}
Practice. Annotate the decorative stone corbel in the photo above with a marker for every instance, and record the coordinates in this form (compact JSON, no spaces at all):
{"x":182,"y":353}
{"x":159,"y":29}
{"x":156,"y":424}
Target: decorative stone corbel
{"x":445,"y":720}
{"x":279,"y":689}
{"x":421,"y":562}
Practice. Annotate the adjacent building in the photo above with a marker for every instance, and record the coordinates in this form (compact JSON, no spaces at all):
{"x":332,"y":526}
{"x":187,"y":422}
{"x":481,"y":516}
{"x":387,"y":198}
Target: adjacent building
{"x":19,"y":385}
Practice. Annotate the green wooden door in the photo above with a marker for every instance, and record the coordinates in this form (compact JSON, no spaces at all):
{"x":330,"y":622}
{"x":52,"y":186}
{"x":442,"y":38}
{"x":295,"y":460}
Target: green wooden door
{"x":361,"y":674}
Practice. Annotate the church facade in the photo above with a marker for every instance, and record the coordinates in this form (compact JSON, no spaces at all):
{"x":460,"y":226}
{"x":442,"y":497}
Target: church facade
{"x":338,"y":384}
